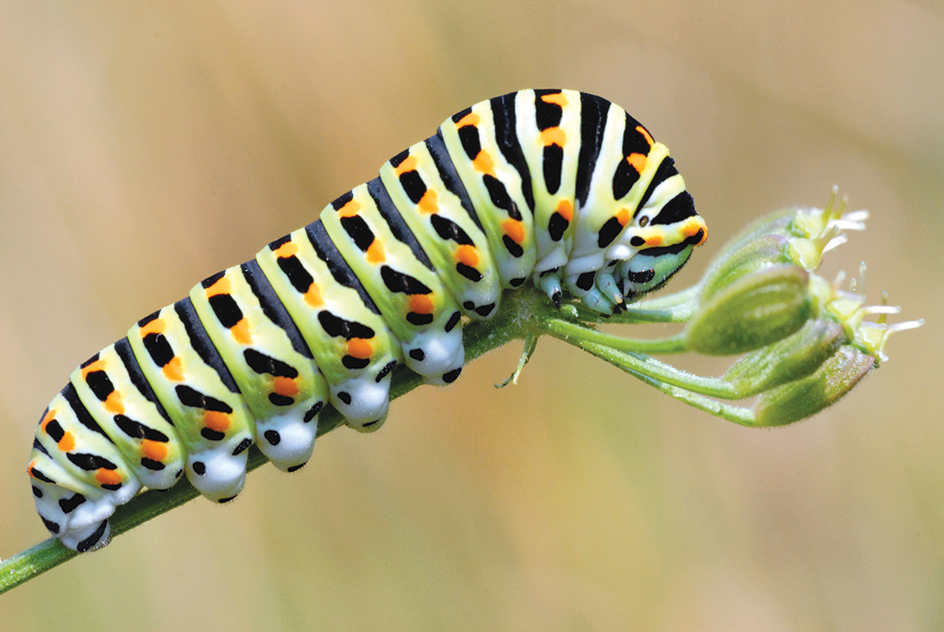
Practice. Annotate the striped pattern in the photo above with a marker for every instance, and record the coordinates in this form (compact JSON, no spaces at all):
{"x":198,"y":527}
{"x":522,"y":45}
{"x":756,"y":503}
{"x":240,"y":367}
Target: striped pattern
{"x":556,"y":186}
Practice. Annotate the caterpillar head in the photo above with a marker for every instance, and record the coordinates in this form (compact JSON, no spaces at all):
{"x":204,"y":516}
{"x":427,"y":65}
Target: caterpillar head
{"x":662,"y":240}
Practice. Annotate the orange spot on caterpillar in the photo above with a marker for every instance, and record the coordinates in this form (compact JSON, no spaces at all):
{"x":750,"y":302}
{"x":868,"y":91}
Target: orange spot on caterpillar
{"x":468,"y":255}
{"x":241,"y":333}
{"x":557,"y":99}
{"x":174,"y":370}
{"x":350,"y":209}
{"x":156,"y":326}
{"x":409,"y":164}
{"x":288,"y":249}
{"x":514,"y":229}
{"x":154,"y":450}
{"x":642,"y":130}
{"x":565,"y":208}
{"x":483,"y":163}
{"x":359,"y":348}
{"x":623,"y":216}
{"x":29,"y":468}
{"x":67,"y":442}
{"x":285,"y":386}
{"x":553,"y":136}
{"x":637,"y":161}
{"x":375,"y":252}
{"x":469,"y":119}
{"x":429,"y":203}
{"x":98,"y":365}
{"x":693,"y":225}
{"x":222,"y":286}
{"x":313,"y":296}
{"x":113,"y":403}
{"x":421,"y":304}
{"x":655,"y":240}
{"x":107,"y":477}
{"x":216,"y":420}
{"x":49,"y":417}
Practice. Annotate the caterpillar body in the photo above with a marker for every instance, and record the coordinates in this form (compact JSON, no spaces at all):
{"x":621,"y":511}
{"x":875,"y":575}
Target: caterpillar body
{"x":560,"y":187}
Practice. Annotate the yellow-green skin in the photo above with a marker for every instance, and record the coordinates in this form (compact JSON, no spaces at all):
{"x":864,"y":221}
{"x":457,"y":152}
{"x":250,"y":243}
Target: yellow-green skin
{"x":556,"y":186}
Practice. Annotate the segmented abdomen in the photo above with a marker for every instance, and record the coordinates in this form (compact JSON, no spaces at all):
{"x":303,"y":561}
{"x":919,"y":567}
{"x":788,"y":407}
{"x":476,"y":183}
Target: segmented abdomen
{"x":534,"y":184}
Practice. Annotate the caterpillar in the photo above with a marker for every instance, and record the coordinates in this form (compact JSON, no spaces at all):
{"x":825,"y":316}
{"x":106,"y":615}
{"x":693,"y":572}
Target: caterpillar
{"x":556,"y":186}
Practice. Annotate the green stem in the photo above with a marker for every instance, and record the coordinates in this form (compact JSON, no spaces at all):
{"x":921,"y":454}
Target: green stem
{"x":565,"y":330}
{"x":736,"y":414}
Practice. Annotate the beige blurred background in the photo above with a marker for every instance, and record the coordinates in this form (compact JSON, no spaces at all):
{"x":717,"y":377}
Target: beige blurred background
{"x":148,"y":145}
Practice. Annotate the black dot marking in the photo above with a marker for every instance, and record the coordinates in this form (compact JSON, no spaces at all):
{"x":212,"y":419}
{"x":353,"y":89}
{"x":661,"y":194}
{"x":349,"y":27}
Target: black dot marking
{"x":212,"y":435}
{"x":195,"y":399}
{"x":513,"y":248}
{"x":371,"y":423}
{"x":413,"y":186}
{"x":358,"y":230}
{"x":499,"y":196}
{"x":469,"y":272}
{"x":100,"y":384}
{"x":453,"y":321}
{"x":313,"y":412}
{"x":226,"y":500}
{"x":553,"y":167}
{"x":419,"y":319}
{"x":485,"y":310}
{"x":449,"y":230}
{"x":226,"y":309}
{"x":400,"y":282}
{"x":35,"y":473}
{"x":68,"y":505}
{"x":471,"y":143}
{"x":608,"y":232}
{"x":451,"y":376}
{"x":51,"y":526}
{"x":199,"y":468}
{"x":272,"y":437}
{"x":296,"y":273}
{"x":585,"y":281}
{"x":556,"y":226}
{"x":295,"y":468}
{"x":417,"y":354}
{"x":158,"y":348}
{"x":623,"y":179}
{"x":138,"y":430}
{"x":93,"y":539}
{"x":151,"y":464}
{"x":111,"y":486}
{"x":342,"y":200}
{"x":262,"y":363}
{"x":90,"y":462}
{"x":469,"y":305}
{"x":641,"y":277}
{"x":242,"y":447}
{"x":336,"y":326}
{"x":280,"y":400}
{"x":517,"y":282}
{"x":345,"y":397}
{"x":384,"y":372}
{"x":37,"y":491}
{"x":637,"y":241}
{"x":54,"y":430}
{"x":350,"y":362}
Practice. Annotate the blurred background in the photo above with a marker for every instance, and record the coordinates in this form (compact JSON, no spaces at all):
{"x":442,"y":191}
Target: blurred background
{"x":143,"y":147}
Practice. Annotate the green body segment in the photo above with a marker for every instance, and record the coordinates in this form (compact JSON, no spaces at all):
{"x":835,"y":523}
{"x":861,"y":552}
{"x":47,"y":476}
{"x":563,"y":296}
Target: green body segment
{"x":556,"y":186}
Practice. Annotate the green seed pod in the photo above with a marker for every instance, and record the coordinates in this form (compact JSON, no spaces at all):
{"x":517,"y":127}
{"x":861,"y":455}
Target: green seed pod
{"x":754,"y":311}
{"x":805,"y":397}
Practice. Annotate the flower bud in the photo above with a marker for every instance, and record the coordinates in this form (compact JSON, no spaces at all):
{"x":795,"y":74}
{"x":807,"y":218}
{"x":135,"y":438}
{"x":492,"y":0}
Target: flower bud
{"x":805,"y":397}
{"x":793,"y":358}
{"x":752,"y":312}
